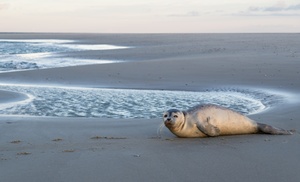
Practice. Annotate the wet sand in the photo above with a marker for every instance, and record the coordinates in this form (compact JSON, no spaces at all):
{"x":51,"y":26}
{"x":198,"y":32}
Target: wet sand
{"x":8,"y":96}
{"x":100,"y":149}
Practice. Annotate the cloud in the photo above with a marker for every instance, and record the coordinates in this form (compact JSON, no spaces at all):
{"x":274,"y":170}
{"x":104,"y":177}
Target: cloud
{"x":188,"y":14}
{"x":279,"y":9}
{"x":193,"y":13}
{"x":197,"y":13}
{"x":3,"y":6}
{"x":294,"y":7}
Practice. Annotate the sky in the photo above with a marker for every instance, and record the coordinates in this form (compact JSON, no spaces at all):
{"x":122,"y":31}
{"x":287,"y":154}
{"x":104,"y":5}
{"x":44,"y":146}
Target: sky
{"x":150,"y":16}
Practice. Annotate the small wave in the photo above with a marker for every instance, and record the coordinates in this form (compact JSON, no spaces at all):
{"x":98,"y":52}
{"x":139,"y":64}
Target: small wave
{"x":123,"y":103}
{"x":16,"y":65}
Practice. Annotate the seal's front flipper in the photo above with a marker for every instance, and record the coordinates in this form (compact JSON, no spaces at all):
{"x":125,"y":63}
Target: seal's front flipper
{"x":208,"y":128}
{"x":263,"y":128}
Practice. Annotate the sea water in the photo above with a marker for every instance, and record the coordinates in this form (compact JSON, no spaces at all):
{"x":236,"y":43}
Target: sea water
{"x":16,"y":55}
{"x":126,"y":103}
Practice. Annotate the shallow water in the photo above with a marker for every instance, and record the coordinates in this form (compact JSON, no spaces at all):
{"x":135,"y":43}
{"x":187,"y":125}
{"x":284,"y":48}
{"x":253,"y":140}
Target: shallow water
{"x":123,"y":103}
{"x":16,"y":55}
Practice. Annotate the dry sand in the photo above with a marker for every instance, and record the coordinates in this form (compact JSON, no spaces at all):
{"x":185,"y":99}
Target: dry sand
{"x":84,"y":149}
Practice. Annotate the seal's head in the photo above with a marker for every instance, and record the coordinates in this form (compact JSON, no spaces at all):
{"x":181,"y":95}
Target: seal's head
{"x":173,"y":118}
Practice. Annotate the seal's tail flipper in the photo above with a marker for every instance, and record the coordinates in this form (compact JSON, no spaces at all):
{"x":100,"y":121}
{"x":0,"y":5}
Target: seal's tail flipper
{"x":263,"y":128}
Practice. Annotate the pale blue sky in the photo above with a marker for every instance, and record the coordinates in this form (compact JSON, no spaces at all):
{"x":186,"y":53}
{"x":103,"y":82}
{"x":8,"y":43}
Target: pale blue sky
{"x":149,"y":16}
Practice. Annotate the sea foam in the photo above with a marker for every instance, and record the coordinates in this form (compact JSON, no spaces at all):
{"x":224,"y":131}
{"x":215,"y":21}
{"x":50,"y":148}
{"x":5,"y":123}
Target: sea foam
{"x":17,"y":55}
{"x":126,"y":103}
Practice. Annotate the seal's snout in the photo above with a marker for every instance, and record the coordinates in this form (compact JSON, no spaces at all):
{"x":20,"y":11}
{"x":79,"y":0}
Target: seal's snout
{"x":168,"y":122}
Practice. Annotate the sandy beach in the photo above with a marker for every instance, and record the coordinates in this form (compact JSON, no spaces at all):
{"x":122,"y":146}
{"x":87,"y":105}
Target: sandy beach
{"x":102,"y":149}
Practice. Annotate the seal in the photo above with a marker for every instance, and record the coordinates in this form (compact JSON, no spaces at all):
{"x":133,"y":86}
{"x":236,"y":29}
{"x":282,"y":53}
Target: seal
{"x":213,"y":120}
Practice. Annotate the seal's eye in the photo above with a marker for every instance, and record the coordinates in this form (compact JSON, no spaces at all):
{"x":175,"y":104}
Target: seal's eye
{"x":175,"y":116}
{"x":165,"y":115}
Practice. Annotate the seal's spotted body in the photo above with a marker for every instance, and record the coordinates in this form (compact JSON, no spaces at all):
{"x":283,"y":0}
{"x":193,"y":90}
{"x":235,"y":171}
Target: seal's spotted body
{"x":213,"y":120}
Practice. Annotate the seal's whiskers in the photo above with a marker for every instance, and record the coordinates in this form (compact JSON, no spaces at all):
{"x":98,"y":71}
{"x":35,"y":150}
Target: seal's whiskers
{"x":159,"y":129}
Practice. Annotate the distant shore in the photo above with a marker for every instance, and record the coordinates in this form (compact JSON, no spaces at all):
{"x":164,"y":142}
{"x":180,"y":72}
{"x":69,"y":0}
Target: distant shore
{"x":100,"y":149}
